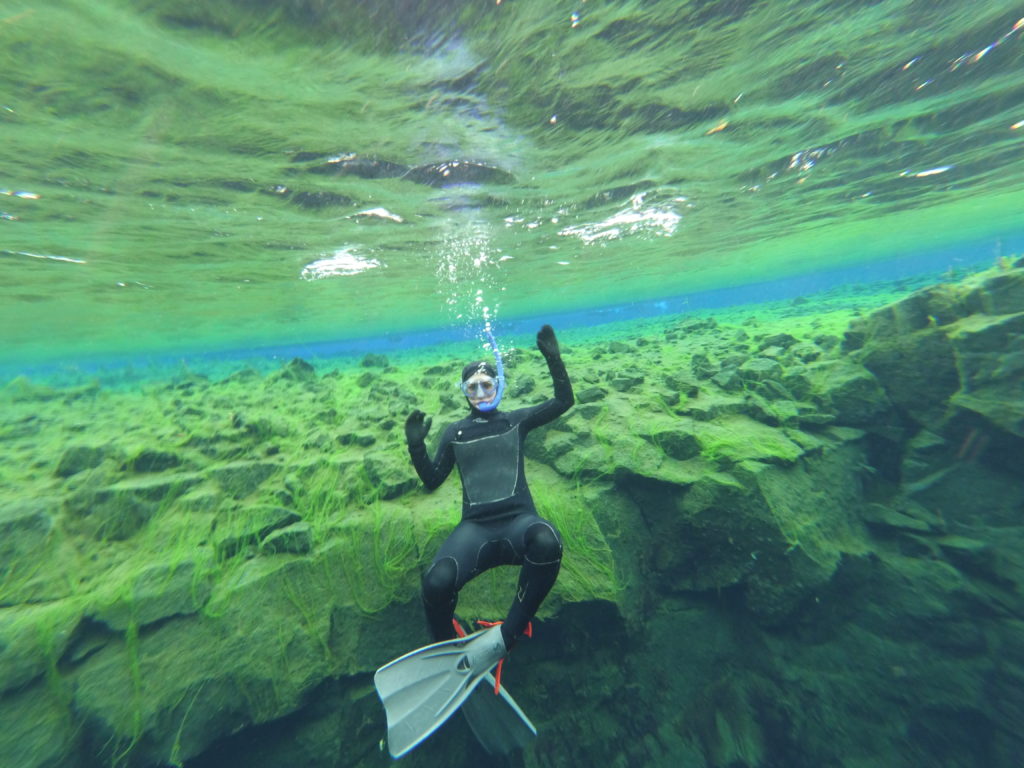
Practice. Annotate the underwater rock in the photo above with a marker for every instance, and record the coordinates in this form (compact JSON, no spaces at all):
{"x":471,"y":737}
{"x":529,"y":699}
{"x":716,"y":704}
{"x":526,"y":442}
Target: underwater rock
{"x":149,"y":460}
{"x":990,"y":358}
{"x":373,"y":360}
{"x":318,"y":199}
{"x":591,"y":395}
{"x":728,"y":379}
{"x":1000,"y":294}
{"x":159,"y":591}
{"x":32,"y":638}
{"x":39,"y":730}
{"x":676,"y":443}
{"x":806,"y":352}
{"x":783,"y":340}
{"x":455,"y":172}
{"x":351,"y":164}
{"x":523,"y":386}
{"x":882,"y":516}
{"x":296,"y":370}
{"x":120,"y":510}
{"x":850,"y":392}
{"x":22,"y":389}
{"x":389,"y":476}
{"x":623,"y":382}
{"x":25,"y":526}
{"x":247,"y":526}
{"x":759,"y":369}
{"x":620,"y":348}
{"x":77,"y":458}
{"x":702,"y":366}
{"x":242,"y":478}
{"x":296,"y":539}
{"x":918,"y":372}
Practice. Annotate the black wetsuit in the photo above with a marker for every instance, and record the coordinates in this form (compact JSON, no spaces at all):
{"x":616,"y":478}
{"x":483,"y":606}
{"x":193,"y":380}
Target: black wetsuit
{"x":500,"y":524}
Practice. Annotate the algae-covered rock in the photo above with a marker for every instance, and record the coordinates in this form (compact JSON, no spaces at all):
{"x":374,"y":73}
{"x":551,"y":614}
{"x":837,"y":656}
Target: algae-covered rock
{"x":32,"y":640}
{"x":850,"y":392}
{"x":77,"y":458}
{"x":242,"y":478}
{"x":39,"y":730}
{"x":118,"y":511}
{"x":296,"y":539}
{"x":246,"y":526}
{"x":159,"y":591}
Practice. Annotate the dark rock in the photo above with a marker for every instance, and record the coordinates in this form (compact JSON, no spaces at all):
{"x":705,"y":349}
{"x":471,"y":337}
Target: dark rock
{"x":153,"y":461}
{"x":729,"y":379}
{"x":702,"y":366}
{"x":620,"y":348}
{"x":806,"y":352}
{"x":624,"y":382}
{"x":241,"y":478}
{"x":366,"y":379}
{"x":243,"y":376}
{"x":296,"y":370}
{"x":350,"y":164}
{"x":676,"y":443}
{"x":883,"y":517}
{"x":389,"y":476}
{"x":759,"y":369}
{"x":320,"y":199}
{"x":918,"y":371}
{"x":783,"y":340}
{"x":524,"y":385}
{"x":455,"y":172}
{"x":295,"y":539}
{"x":682,"y":385}
{"x":1002,"y":294}
{"x":80,"y":457}
{"x":247,"y":526}
{"x":591,"y":395}
{"x":851,"y":393}
{"x":375,"y":361}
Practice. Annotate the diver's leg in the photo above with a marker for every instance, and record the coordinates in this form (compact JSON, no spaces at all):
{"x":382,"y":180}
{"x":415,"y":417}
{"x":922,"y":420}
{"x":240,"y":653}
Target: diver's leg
{"x":541,"y":548}
{"x":454,"y":565}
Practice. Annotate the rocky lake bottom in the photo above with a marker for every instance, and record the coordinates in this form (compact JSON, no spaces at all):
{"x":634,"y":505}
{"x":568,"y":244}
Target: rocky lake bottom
{"x":790,"y":541}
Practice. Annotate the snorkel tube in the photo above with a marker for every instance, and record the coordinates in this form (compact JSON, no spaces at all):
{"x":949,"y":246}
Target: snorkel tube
{"x":501,"y":373}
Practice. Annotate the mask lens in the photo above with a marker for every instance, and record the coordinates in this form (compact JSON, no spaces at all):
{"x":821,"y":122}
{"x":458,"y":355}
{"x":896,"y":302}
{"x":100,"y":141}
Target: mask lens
{"x":480,"y":387}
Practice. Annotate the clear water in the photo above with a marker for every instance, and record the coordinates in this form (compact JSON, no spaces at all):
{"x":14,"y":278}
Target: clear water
{"x":187,"y":177}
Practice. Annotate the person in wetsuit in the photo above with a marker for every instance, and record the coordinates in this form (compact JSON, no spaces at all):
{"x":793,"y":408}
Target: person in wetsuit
{"x":500,"y":524}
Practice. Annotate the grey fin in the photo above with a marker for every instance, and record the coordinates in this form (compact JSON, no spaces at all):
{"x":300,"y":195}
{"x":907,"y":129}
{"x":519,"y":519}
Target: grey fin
{"x":422,"y":689}
{"x":498,"y":723}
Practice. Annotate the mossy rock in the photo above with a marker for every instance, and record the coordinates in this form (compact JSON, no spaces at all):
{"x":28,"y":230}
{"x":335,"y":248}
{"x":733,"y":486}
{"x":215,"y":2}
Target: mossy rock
{"x":77,"y":458}
{"x":241,"y":527}
{"x":734,"y":438}
{"x":159,"y":591}
{"x":243,"y":478}
{"x":120,"y":510}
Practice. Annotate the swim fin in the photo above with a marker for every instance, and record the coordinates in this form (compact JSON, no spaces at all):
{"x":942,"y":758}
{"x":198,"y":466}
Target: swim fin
{"x":498,"y":723}
{"x":422,"y":689}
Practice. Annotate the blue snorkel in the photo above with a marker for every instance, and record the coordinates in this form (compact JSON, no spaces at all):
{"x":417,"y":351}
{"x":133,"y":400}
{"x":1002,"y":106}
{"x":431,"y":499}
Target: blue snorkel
{"x":501,"y":374}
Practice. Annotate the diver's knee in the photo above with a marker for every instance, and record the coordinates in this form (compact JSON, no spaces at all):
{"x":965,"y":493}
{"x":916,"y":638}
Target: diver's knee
{"x":543,"y":545}
{"x":438,"y":583}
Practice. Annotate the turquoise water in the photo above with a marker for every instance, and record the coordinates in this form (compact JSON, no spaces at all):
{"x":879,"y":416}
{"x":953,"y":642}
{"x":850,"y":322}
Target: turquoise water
{"x":187,"y":177}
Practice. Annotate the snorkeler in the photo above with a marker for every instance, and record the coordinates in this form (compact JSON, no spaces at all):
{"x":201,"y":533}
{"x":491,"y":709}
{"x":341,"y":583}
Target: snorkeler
{"x":499,"y":526}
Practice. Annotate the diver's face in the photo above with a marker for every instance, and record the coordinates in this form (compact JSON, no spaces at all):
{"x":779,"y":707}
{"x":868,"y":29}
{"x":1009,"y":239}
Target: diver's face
{"x":480,"y":389}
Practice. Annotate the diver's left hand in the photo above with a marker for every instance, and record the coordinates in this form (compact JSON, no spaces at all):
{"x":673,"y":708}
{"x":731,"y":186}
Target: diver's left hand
{"x":547,"y":343}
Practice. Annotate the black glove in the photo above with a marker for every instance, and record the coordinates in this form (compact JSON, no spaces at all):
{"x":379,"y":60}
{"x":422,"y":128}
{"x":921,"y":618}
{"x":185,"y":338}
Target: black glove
{"x":547,"y":343}
{"x":416,"y":427}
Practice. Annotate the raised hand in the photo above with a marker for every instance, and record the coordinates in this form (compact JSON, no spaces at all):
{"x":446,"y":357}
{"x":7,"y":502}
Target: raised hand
{"x":547,"y":343}
{"x":417,"y":426}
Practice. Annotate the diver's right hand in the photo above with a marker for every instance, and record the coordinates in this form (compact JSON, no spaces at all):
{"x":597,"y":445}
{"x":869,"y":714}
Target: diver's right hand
{"x":417,"y":426}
